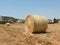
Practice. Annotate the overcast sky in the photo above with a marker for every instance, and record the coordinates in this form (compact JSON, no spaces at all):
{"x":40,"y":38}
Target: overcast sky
{"x":21,"y":8}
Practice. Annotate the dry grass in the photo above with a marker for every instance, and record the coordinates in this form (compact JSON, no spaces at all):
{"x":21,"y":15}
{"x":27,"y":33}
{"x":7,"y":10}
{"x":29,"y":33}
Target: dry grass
{"x":14,"y":35}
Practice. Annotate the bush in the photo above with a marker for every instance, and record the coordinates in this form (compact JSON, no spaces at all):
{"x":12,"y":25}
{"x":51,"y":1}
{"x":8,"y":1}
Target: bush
{"x":2,"y":22}
{"x":50,"y":22}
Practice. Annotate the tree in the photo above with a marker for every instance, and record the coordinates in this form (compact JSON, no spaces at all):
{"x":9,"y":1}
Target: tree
{"x":55,"y":20}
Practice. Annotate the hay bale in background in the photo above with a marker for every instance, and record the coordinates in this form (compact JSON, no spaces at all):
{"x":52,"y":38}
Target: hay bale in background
{"x":36,"y":23}
{"x":8,"y":24}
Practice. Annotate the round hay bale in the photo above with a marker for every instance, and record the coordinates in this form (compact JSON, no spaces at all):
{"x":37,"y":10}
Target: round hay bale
{"x":36,"y":23}
{"x":8,"y":24}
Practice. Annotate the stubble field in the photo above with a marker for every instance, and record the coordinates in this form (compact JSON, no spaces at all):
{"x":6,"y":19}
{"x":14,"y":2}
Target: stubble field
{"x":14,"y":35}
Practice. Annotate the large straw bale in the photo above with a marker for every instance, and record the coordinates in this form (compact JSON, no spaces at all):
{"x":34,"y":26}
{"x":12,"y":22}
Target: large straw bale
{"x":36,"y":23}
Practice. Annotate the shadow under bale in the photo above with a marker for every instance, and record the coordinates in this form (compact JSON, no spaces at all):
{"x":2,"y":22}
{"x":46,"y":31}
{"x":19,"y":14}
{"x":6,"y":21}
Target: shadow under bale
{"x":41,"y":32}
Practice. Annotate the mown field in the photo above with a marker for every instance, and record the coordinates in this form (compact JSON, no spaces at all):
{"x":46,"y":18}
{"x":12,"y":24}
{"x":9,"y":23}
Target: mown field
{"x":14,"y":35}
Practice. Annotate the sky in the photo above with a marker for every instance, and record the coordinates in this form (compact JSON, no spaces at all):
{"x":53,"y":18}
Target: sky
{"x":21,"y":8}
